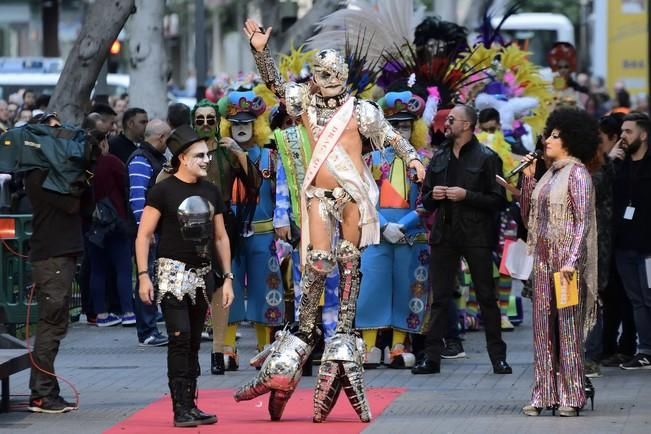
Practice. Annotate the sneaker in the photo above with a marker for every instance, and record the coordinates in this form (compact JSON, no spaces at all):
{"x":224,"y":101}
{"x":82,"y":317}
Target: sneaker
{"x":592,"y":369}
{"x":453,"y":350}
{"x":109,"y":321}
{"x":398,"y":357}
{"x":615,"y":360}
{"x":506,"y":324}
{"x":206,"y":333}
{"x":155,"y":340}
{"x":471,"y":323}
{"x":640,"y":361}
{"x":373,"y":358}
{"x":50,"y":405}
{"x":129,"y":319}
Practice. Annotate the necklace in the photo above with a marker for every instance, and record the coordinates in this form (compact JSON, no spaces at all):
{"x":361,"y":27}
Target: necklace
{"x":330,"y":102}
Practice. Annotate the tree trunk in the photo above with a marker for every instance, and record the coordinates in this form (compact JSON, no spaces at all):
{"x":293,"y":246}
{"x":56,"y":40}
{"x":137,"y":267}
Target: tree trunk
{"x":103,"y":22}
{"x":304,"y":28}
{"x":147,"y":59}
{"x":50,"y":20}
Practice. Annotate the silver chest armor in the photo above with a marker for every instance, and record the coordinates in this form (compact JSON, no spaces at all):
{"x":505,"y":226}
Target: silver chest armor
{"x":195,"y":216}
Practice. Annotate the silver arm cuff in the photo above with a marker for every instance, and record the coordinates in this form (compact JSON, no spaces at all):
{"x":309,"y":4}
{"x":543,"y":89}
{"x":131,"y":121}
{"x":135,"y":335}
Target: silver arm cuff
{"x":378,"y":130}
{"x":402,"y":147}
{"x":269,"y":72}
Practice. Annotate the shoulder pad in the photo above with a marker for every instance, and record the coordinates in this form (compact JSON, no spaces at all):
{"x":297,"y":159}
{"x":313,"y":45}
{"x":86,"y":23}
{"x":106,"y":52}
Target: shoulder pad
{"x":369,"y":117}
{"x":295,"y":95}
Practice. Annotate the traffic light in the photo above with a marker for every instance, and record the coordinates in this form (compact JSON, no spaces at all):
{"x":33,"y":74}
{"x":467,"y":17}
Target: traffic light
{"x":113,"y":61}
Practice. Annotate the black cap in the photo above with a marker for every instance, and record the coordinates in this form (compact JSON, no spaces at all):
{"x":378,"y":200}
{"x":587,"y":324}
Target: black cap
{"x":181,"y":139}
{"x":242,"y":117}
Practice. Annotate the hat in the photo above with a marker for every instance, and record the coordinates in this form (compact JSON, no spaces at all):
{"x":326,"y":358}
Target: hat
{"x":402,"y":106}
{"x":181,"y":139}
{"x":241,"y":106}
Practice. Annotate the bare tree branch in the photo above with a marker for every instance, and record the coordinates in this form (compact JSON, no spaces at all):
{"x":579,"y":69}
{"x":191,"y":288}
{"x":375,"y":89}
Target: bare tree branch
{"x":101,"y":26}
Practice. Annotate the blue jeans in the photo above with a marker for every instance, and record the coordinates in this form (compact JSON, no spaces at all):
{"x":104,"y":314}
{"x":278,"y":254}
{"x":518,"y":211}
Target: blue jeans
{"x":115,"y":257}
{"x":630,"y":265}
{"x":146,"y":313}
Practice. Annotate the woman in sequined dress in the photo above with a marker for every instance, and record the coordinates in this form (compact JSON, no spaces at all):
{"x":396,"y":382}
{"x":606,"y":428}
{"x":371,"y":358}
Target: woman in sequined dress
{"x":559,"y":211}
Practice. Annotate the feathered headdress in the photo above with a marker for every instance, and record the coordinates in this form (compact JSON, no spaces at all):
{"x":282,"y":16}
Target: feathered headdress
{"x":489,"y":35}
{"x":364,"y":32}
{"x":513,"y":86}
{"x":379,"y":25}
{"x":435,"y":60}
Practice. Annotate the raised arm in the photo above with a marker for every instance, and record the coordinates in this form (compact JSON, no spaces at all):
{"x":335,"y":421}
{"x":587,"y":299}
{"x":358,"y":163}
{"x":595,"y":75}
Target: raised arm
{"x":258,"y":38}
{"x":292,"y":93}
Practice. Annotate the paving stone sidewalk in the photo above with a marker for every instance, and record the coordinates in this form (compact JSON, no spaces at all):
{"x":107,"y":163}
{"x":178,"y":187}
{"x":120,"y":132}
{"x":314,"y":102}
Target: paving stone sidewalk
{"x":116,"y":377}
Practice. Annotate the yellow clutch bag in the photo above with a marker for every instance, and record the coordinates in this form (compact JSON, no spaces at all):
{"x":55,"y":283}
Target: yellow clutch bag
{"x":566,"y":295}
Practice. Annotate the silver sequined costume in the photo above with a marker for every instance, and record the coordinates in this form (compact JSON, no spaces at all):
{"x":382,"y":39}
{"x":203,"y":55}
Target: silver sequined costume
{"x":342,"y":362}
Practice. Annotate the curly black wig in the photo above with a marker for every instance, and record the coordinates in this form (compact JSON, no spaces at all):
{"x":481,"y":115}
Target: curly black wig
{"x":579,"y":131}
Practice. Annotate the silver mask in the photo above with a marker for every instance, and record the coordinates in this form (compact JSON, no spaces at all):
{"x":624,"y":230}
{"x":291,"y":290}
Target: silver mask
{"x":330,"y":72}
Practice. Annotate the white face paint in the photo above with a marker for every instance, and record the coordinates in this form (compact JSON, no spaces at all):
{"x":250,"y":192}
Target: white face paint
{"x":242,"y":132}
{"x":403,"y":128}
{"x":196,"y":159}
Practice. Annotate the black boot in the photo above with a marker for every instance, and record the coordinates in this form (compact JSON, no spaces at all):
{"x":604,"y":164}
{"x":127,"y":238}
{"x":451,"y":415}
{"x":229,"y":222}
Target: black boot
{"x":204,"y":418}
{"x":217,"y":364}
{"x":589,"y":391}
{"x":182,"y":403}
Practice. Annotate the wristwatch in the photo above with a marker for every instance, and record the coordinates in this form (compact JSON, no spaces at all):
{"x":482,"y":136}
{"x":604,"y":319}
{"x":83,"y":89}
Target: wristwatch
{"x":229,"y":276}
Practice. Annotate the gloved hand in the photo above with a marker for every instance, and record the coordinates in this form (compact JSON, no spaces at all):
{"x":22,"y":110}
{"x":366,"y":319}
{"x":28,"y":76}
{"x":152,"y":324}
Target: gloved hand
{"x":393,"y":232}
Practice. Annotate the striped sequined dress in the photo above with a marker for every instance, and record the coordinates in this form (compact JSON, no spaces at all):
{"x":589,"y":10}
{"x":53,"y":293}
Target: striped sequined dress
{"x":559,"y":234}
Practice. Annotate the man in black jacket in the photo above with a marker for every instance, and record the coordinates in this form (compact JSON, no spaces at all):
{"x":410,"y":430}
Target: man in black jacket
{"x":134,"y":121}
{"x":461,"y":187}
{"x":632,"y":232}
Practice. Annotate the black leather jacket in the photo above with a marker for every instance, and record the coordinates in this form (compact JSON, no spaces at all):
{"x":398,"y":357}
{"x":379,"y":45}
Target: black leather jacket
{"x":471,"y":222}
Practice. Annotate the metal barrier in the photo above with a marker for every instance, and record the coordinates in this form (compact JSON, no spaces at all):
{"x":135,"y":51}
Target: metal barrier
{"x":16,"y":274}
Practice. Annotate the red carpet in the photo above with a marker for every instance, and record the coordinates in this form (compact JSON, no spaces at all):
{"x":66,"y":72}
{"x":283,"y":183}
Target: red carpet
{"x":251,"y":417}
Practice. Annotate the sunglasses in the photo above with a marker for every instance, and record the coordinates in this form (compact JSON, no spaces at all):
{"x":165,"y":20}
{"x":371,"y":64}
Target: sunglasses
{"x":451,"y":119}
{"x":210,"y":120}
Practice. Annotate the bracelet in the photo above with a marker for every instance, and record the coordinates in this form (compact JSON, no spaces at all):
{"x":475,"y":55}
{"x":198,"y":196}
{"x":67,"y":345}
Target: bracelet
{"x":140,"y":273}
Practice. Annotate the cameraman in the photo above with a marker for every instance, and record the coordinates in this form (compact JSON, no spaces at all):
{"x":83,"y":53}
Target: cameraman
{"x":55,"y":245}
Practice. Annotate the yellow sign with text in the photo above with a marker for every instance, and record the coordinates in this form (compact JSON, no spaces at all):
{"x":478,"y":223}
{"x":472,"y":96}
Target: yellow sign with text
{"x":628,"y":45}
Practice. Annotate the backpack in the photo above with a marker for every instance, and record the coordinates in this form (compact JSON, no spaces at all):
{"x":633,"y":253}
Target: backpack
{"x":105,"y":221}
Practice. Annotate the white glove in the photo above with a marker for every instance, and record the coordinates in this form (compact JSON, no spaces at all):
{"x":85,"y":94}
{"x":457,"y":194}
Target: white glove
{"x":393,"y":232}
